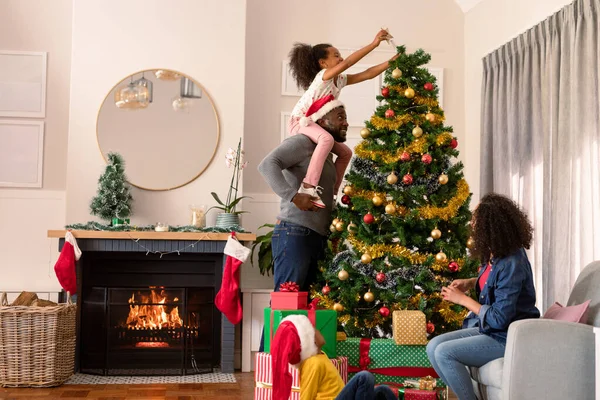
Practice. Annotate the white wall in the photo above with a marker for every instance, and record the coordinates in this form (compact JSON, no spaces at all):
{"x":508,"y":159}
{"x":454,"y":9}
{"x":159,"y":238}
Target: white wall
{"x":112,"y":39}
{"x":488,"y":26}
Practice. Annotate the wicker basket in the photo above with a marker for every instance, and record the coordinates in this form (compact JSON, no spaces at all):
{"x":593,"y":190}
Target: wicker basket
{"x":37,"y":344}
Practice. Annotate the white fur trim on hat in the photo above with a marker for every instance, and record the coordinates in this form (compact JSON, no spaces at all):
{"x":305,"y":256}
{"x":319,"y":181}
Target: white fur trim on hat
{"x":306,"y":333}
{"x":304,"y":121}
{"x":326,"y":109}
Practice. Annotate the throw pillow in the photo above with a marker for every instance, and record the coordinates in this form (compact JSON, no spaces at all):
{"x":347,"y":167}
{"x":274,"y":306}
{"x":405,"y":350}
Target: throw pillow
{"x":576,"y":313}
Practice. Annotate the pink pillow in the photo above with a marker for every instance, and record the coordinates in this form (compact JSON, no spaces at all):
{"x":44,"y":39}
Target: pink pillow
{"x":577,"y":313}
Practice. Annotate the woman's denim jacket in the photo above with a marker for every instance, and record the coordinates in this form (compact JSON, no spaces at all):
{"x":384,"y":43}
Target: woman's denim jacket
{"x":508,"y":295}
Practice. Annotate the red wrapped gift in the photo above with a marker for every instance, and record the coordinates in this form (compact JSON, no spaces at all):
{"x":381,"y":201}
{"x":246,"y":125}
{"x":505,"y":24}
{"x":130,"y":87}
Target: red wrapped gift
{"x":416,"y":394}
{"x":289,"y":298}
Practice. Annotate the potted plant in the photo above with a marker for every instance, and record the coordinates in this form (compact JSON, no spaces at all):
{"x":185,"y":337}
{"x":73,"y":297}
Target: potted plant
{"x":265,"y":251}
{"x":230,"y":217}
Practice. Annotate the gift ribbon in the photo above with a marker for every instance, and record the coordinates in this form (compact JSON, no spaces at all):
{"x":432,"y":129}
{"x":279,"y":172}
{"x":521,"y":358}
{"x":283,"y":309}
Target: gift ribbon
{"x":289,"y":287}
{"x":365,"y":360}
{"x":312,"y":316}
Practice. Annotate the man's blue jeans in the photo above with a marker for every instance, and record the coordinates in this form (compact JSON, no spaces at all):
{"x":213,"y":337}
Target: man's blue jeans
{"x":362,"y":387}
{"x":451,"y":353}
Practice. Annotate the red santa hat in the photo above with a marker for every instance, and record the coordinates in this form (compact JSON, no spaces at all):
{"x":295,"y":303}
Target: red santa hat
{"x":319,"y":109}
{"x":293,"y":343}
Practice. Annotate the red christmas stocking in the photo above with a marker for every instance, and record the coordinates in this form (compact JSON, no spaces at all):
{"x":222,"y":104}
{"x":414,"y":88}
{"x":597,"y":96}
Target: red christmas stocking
{"x":65,"y":265}
{"x":228,"y":298}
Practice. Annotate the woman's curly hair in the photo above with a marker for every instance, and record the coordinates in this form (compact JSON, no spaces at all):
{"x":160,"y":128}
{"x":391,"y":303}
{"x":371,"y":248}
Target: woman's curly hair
{"x":304,"y":62}
{"x":499,"y":228}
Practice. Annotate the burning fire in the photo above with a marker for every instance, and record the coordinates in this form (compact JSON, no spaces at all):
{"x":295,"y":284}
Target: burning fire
{"x":150,"y":313}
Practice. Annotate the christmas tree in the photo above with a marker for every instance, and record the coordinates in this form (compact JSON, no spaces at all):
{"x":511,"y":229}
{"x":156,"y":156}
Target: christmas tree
{"x":114,"y":197}
{"x":402,"y":230}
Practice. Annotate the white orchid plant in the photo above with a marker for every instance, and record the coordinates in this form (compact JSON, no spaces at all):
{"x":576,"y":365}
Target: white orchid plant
{"x":235,"y":159}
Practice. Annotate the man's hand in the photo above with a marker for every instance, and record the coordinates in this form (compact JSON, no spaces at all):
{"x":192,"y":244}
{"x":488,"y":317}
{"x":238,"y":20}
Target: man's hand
{"x":304,"y":202}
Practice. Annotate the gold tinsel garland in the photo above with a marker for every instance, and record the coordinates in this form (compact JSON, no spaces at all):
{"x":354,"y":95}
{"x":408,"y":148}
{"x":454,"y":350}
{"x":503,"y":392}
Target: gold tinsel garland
{"x":443,"y":308}
{"x":419,"y":145}
{"x":391,"y":124}
{"x":450,"y":211}
{"x":420,"y":100}
{"x":443,"y":138}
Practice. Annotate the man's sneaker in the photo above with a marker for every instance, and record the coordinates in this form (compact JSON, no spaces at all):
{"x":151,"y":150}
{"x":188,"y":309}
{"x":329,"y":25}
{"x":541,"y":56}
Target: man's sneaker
{"x":314,"y":192}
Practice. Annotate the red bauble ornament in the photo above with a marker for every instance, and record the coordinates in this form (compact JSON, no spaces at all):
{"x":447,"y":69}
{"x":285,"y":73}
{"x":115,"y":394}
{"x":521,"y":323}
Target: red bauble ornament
{"x":369,"y":218}
{"x":453,"y":266}
{"x":346,"y":199}
{"x":430,"y":328}
{"x":380,"y":277}
{"x":405,"y":156}
{"x":428,"y":86}
{"x":389,"y":113}
{"x":326,"y":289}
{"x":454,"y":143}
{"x":384,"y":311}
{"x":385,"y":92}
{"x":426,"y":159}
{"x":407,"y":179}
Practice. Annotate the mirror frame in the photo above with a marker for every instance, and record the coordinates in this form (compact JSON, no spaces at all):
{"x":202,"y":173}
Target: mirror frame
{"x":204,"y":92}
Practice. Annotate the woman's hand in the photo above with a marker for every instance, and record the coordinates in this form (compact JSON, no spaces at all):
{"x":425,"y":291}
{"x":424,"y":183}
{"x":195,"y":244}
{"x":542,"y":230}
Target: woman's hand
{"x":463,"y":284}
{"x":380,"y":37}
{"x":453,"y":295}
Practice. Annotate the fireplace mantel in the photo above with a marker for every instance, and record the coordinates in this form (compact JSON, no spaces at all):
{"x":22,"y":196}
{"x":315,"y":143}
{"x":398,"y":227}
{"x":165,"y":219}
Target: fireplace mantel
{"x":149,"y":235}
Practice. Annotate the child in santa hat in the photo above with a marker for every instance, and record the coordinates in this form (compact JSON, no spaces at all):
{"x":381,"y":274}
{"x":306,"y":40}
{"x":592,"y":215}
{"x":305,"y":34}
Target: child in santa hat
{"x":298,"y":343}
{"x":319,"y":70}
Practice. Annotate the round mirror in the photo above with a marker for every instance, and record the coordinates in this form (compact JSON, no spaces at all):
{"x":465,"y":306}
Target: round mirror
{"x":163,"y":124}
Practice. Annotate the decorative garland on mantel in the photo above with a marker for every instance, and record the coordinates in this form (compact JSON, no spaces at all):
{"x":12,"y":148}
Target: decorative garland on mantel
{"x":97,"y":226}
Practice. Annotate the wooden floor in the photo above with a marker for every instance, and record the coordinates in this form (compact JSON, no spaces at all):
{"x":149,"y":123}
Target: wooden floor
{"x":242,"y":390}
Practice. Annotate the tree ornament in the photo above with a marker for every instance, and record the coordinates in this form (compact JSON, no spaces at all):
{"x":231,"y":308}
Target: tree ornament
{"x":346,"y":199}
{"x":392,"y":178}
{"x":426,"y":159}
{"x":453,"y":266}
{"x":417,"y":131}
{"x":380,"y":277}
{"x":443,"y":179}
{"x":377,"y":201}
{"x":348,"y":190}
{"x":409,"y":93}
{"x":430,"y":327}
{"x":428,"y":86}
{"x":343,"y":275}
{"x":436,"y":233}
{"x":430,"y":117}
{"x":366,"y":258}
{"x":454,"y":143}
{"x":441,"y":257}
{"x":369,"y":218}
{"x":352,"y":227}
{"x":407,"y":179}
{"x":389,"y":113}
{"x":385,"y":91}
{"x":339,"y":226}
{"x":384,"y":312}
{"x":369,"y":297}
{"x":332,"y":228}
{"x":338,"y":307}
{"x":326,"y":289}
{"x":390,"y":209}
{"x":470,"y":243}
{"x":335,"y":221}
{"x":396,"y":73}
{"x":365,"y":133}
{"x":405,"y":156}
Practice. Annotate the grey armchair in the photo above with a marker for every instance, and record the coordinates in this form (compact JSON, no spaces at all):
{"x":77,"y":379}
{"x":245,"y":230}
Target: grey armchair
{"x":547,"y":359}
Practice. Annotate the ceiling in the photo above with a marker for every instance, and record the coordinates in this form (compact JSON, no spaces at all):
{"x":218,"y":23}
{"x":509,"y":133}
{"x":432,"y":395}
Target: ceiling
{"x":466,"y":5}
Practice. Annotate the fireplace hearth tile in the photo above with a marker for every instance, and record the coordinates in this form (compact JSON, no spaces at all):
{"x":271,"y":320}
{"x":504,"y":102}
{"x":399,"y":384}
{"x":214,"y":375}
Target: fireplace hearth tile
{"x":85,"y":379}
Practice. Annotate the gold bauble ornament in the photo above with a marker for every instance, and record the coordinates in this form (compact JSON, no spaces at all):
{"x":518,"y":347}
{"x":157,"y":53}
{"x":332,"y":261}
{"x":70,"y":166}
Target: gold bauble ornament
{"x":470,"y":243}
{"x":441,"y":257}
{"x":365,"y":133}
{"x":352,"y":227}
{"x":392,"y":178}
{"x":417,"y":131}
{"x":369,"y":297}
{"x":390,"y":209}
{"x":396,"y":73}
{"x":443,"y":179}
{"x":332,"y":228}
{"x":430,"y":117}
{"x":377,"y":201}
{"x":348,"y":190}
{"x":366,"y":258}
{"x":409,"y":93}
{"x":436,"y":233}
{"x":339,"y":226}
{"x":338,"y":307}
{"x":335,"y":221}
{"x":343,"y":275}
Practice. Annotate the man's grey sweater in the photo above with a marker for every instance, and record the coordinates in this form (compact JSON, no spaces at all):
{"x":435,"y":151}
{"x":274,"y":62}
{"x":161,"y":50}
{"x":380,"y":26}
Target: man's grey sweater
{"x":285,"y":168}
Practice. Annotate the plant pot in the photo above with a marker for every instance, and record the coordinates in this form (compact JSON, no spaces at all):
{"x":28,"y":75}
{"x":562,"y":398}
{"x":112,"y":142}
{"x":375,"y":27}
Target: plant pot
{"x":119,"y":222}
{"x":227,"y":220}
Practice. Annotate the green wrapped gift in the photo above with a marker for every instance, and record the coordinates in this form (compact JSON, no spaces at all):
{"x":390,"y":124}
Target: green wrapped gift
{"x":389,"y":362}
{"x":326,"y":322}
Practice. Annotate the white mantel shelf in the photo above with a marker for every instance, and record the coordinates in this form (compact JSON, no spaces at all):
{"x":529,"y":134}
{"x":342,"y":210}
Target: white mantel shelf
{"x":149,"y":235}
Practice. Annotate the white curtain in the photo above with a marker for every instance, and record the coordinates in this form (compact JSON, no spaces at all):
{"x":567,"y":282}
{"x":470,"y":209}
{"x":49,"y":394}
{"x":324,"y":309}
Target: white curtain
{"x":541,"y":140}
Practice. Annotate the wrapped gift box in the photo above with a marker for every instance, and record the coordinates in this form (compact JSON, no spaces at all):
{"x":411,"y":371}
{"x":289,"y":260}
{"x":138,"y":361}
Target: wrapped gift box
{"x":410,"y":327}
{"x":289,"y":300}
{"x":263,"y":376}
{"x":406,"y":393}
{"x":326,"y":322}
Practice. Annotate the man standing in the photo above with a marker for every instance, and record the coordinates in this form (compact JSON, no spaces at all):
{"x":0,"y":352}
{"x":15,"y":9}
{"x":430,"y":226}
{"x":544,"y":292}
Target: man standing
{"x":300,"y":235}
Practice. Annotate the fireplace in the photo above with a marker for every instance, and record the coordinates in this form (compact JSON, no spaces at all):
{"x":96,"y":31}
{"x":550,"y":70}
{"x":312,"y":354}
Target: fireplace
{"x":145,"y":312}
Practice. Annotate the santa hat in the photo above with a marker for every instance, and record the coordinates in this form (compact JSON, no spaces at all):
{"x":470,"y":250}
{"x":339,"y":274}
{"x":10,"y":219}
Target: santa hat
{"x":293,"y":343}
{"x":319,"y":109}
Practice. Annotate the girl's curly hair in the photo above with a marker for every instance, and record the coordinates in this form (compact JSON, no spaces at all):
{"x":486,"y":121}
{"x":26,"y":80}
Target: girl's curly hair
{"x":500,"y":228}
{"x":304,"y":62}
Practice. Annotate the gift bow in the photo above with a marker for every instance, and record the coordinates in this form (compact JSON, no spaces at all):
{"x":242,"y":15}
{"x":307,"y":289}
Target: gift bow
{"x":289,"y":287}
